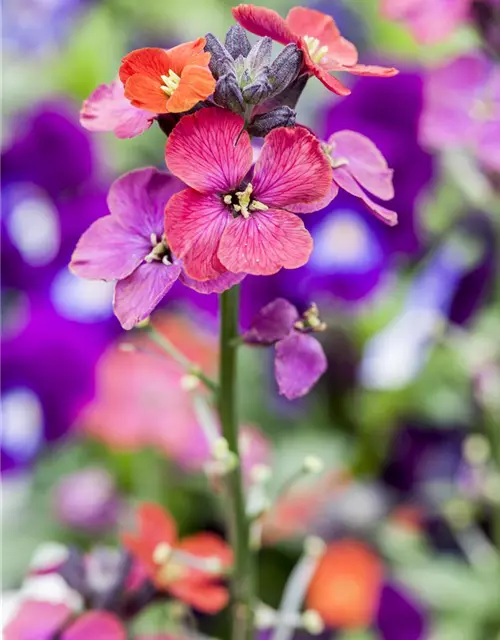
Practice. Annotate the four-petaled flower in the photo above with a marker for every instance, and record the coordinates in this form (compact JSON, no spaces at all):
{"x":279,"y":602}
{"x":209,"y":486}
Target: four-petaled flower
{"x":317,"y":35}
{"x":167,"y":81}
{"x":130,"y":246}
{"x":228,"y":219}
{"x":300,"y":359}
{"x":189,"y":569}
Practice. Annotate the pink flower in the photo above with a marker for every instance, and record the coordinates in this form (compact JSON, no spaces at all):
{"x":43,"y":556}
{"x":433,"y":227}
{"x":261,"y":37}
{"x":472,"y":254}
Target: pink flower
{"x":98,"y":625}
{"x":129,"y":246}
{"x":430,"y":21}
{"x":107,"y":109}
{"x":300,"y":360}
{"x":317,"y":35}
{"x":228,"y":220}
{"x":358,"y":166}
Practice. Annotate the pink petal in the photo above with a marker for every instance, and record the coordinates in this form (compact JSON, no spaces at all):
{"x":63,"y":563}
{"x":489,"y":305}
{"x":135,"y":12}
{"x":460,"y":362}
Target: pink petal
{"x":300,"y":362}
{"x":139,"y":294}
{"x":487,"y":145}
{"x":218,"y":285}
{"x":292,"y":168}
{"x":108,"y":251}
{"x":107,"y":109}
{"x":366,"y":164}
{"x":370,"y":70}
{"x":345,"y":180}
{"x":37,"y":620}
{"x":318,"y":204}
{"x":194,"y":224}
{"x":273,"y":322}
{"x":263,"y":22}
{"x":264,"y":243}
{"x":96,"y":625}
{"x":139,"y":198}
{"x":209,"y":151}
{"x":331,"y":82}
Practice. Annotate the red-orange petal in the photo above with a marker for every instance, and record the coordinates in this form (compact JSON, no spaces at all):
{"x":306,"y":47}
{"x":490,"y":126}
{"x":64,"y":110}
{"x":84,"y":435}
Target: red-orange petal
{"x":145,"y":93}
{"x":345,"y":589}
{"x":206,"y":597}
{"x":196,"y":84}
{"x":183,"y":54}
{"x":208,"y":545}
{"x":150,"y":61}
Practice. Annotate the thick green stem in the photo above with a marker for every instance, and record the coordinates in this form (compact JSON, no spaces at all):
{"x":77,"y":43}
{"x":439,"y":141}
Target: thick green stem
{"x":242,"y":580}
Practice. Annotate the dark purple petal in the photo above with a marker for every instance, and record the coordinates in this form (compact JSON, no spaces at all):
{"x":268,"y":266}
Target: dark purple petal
{"x":300,"y":362}
{"x":38,"y":620}
{"x":108,"y":251}
{"x":399,"y":615}
{"x":217,"y":285}
{"x":138,"y":295}
{"x":273,"y":322}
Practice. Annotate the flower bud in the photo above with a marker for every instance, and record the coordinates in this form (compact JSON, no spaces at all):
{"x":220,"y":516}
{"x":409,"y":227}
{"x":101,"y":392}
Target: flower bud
{"x":257,"y":91}
{"x":260,"y":55}
{"x":228,"y":94}
{"x":285,"y":69}
{"x":221,"y":61}
{"x":280,"y":117}
{"x":237,"y":42}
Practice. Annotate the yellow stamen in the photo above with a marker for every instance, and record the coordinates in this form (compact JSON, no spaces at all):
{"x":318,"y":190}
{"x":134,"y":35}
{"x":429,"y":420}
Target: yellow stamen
{"x":170,"y":82}
{"x":316,"y":51}
{"x":245,"y":203}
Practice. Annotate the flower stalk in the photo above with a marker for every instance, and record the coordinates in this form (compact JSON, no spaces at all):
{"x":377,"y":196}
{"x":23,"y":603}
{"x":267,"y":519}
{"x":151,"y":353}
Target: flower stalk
{"x":239,"y":528}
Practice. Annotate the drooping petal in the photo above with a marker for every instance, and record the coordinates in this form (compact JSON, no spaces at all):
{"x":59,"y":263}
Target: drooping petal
{"x":273,"y":322}
{"x":331,"y":82}
{"x":299,"y":363}
{"x":188,"y":53}
{"x":194,"y":224}
{"x":208,"y":151}
{"x":196,"y":84}
{"x":140,"y":293}
{"x":145,"y":93}
{"x":264,"y":243}
{"x":317,"y":205}
{"x":218,"y":285}
{"x":371,"y":70}
{"x":292,"y":168}
{"x":208,"y":598}
{"x":38,"y":620}
{"x":149,"y":61}
{"x":108,"y":251}
{"x":263,"y":22}
{"x":107,"y":109}
{"x":345,"y":180}
{"x":98,"y":625}
{"x":366,"y":164}
{"x":138,"y":200}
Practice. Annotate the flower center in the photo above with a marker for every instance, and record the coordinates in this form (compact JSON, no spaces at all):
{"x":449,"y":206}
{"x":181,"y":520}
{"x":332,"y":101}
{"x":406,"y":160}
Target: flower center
{"x":316,"y":51}
{"x":170,"y":82}
{"x":310,"y":321}
{"x":160,"y":251}
{"x":243,"y":203}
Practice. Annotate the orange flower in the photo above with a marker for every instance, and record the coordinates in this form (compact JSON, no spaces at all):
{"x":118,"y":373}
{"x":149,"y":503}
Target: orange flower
{"x":167,"y":81}
{"x":346,"y":587}
{"x":188,"y":569}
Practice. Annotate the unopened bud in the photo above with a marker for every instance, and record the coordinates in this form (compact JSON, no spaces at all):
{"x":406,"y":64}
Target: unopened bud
{"x":285,"y":68}
{"x":220,"y":449}
{"x":143,"y":323}
{"x":265,"y":617}
{"x":262,"y":124}
{"x":313,"y":622}
{"x":260,"y":473}
{"x":162,"y":553}
{"x":237,"y":42}
{"x":213,"y":565}
{"x":260,"y":55}
{"x":220,"y":59}
{"x":257,"y":92}
{"x":189,"y":382}
{"x":312,"y":464}
{"x":228,"y":94}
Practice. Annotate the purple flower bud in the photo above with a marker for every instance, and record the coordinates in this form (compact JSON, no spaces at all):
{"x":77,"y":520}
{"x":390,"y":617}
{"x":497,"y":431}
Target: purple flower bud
{"x":257,"y":91}
{"x":262,"y":124}
{"x":221,"y":61}
{"x":290,"y":96}
{"x":260,"y":55}
{"x":228,"y":94}
{"x":87,"y":500}
{"x":285,"y":69}
{"x":237,"y":42}
{"x":486,"y":14}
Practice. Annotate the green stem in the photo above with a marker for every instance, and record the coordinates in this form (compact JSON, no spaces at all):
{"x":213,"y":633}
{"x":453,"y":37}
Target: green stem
{"x":242,"y":581}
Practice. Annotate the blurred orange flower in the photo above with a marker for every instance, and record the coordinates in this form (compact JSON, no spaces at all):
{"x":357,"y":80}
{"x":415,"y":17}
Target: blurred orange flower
{"x":346,"y":587}
{"x":167,"y":81}
{"x":189,"y":569}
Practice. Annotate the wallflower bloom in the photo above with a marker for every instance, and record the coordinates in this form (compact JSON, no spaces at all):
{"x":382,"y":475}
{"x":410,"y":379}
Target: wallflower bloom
{"x":187,"y":569}
{"x":225,"y":221}
{"x":167,"y":81}
{"x":129,"y":246}
{"x":107,"y":109}
{"x":300,"y":359}
{"x":317,"y":35}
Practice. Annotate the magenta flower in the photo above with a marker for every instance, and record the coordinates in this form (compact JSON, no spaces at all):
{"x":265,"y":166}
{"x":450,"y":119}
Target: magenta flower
{"x":107,"y":109}
{"x":300,"y":360}
{"x":228,"y":219}
{"x":130,"y":246}
{"x":98,"y":625}
{"x":430,"y":21}
{"x":462,"y":108}
{"x":358,"y":166}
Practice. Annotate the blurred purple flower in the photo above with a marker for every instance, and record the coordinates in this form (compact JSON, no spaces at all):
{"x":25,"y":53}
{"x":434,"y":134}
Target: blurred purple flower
{"x":87,"y":500}
{"x":129,"y":246}
{"x":299,"y":359}
{"x":399,"y":615}
{"x":462,"y":108}
{"x":37,"y":619}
